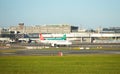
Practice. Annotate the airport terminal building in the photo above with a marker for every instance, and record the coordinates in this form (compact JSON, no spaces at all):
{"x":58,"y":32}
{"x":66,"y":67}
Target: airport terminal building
{"x":26,"y":33}
{"x":52,"y":28}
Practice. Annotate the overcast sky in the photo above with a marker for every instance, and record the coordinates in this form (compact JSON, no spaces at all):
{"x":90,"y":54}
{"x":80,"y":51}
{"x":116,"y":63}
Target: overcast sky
{"x":85,"y":13}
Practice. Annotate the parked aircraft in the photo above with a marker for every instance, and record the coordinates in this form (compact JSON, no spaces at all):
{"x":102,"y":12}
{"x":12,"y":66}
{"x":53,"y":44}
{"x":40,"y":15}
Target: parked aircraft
{"x":55,"y":41}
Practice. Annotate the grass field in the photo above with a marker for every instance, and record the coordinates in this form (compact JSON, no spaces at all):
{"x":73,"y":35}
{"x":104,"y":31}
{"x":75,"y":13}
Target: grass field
{"x":82,"y":64}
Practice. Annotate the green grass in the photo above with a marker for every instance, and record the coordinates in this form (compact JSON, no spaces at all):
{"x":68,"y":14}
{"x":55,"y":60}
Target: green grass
{"x":82,"y":64}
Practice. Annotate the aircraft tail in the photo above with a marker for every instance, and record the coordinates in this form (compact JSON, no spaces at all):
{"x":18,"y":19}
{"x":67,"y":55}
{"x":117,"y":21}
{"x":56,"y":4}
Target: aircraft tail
{"x":41,"y":37}
{"x":64,"y":37}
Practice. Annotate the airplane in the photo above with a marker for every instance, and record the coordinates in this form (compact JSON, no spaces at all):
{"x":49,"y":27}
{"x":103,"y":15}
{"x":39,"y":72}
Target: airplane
{"x":55,"y":41}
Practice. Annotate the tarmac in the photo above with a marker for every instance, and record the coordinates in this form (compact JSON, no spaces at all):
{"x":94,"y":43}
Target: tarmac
{"x":42,"y":52}
{"x":114,"y":49}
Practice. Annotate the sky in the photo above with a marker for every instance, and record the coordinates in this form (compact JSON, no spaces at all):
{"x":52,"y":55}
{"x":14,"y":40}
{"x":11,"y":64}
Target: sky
{"x":82,"y":13}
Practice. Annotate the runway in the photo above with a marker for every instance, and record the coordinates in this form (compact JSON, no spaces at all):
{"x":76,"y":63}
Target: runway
{"x":109,"y":45}
{"x":55,"y":52}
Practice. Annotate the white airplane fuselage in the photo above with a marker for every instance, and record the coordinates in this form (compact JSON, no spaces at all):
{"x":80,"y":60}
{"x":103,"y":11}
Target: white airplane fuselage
{"x":56,"y":42}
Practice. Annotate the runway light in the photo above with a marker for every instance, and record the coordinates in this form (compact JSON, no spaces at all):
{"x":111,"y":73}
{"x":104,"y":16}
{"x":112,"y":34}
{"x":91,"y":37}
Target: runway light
{"x":60,"y":54}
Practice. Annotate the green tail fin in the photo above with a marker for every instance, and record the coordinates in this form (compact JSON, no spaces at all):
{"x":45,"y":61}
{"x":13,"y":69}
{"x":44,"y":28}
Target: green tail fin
{"x":64,"y":37}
